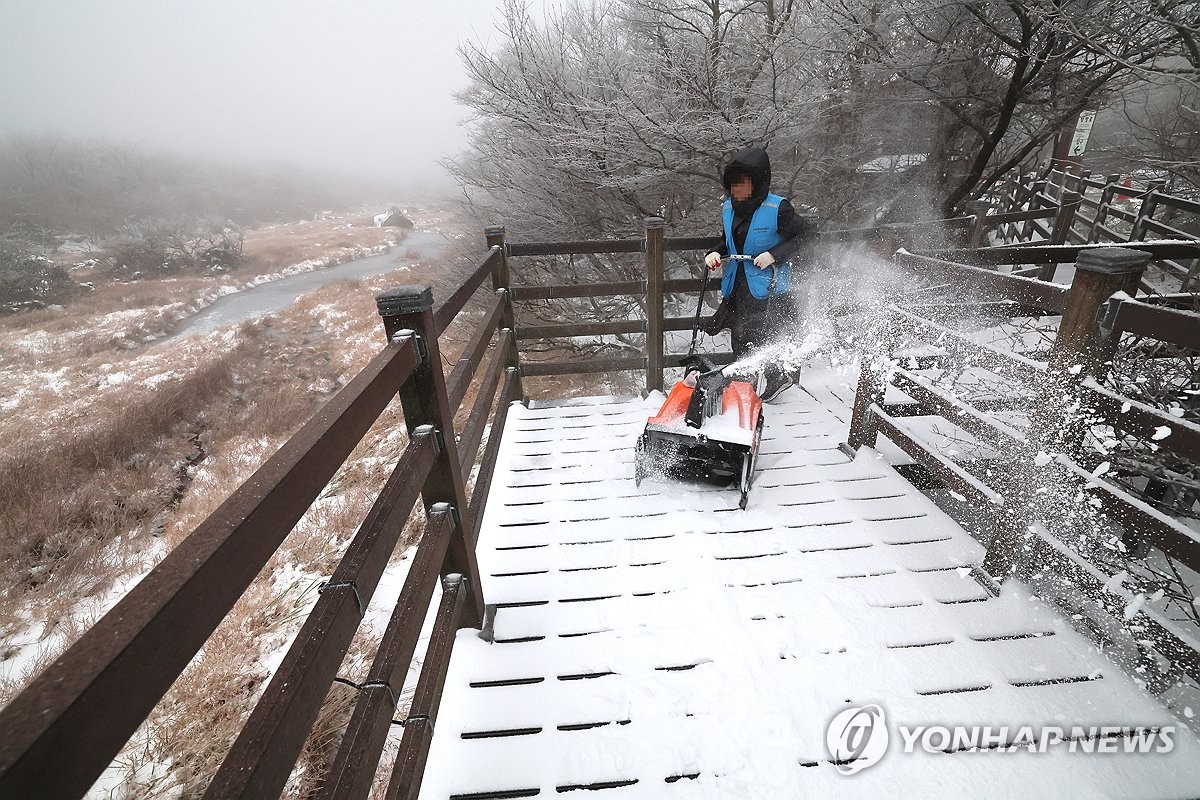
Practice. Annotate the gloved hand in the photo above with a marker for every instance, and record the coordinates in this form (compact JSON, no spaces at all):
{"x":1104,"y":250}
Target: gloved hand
{"x":764,"y":260}
{"x":709,"y":325}
{"x":712,"y":260}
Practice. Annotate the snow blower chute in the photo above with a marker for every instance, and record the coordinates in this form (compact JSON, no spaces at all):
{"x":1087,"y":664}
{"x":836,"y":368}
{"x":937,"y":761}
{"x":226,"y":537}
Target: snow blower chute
{"x":707,"y":430}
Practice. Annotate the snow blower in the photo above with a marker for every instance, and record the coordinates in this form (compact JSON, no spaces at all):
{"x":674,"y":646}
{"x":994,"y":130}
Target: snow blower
{"x":708,"y":429}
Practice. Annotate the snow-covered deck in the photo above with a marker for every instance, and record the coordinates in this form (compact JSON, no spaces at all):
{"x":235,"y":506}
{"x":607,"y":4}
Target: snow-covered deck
{"x":658,"y":642}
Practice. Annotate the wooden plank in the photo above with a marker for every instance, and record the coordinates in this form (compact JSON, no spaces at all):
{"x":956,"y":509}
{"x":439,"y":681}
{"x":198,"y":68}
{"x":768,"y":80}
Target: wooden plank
{"x":487,"y":464}
{"x":1167,"y":534}
{"x":358,"y":754}
{"x":1061,"y":254}
{"x":65,"y":728}
{"x":985,"y":428}
{"x":1049,"y":296}
{"x":680,"y":323}
{"x":1009,"y":365}
{"x":1180,"y":328}
{"x":1049,"y":553}
{"x":612,"y":289}
{"x":541,"y":368}
{"x":266,"y":749}
{"x":1021,"y":216}
{"x":1165,"y":229}
{"x":1141,"y":420}
{"x":526,"y":332}
{"x":409,"y":766}
{"x":1122,"y":214}
{"x":946,"y":470}
{"x":689,"y":285}
{"x":472,"y":354}
{"x":575,"y":248}
{"x":472,"y":433}
{"x":447,"y":311}
{"x":1190,"y":206}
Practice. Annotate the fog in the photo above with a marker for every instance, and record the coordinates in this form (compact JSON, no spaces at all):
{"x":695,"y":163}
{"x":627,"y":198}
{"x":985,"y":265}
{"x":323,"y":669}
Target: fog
{"x":362,"y":89}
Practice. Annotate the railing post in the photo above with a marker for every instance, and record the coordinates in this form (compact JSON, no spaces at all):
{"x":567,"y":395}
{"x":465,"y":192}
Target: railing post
{"x":1068,"y":204}
{"x":500,"y":277}
{"x":1067,"y":209}
{"x":874,"y":368}
{"x":423,"y":395}
{"x":1145,"y":212}
{"x":864,"y":429}
{"x":501,"y":282}
{"x":1107,"y":337}
{"x":1057,"y":424}
{"x":1081,"y":184}
{"x":1106,"y":200}
{"x":1035,"y":201}
{"x":654,"y":303}
{"x":978,"y":209}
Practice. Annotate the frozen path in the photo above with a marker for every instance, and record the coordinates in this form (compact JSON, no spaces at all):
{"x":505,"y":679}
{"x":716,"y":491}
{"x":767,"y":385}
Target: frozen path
{"x":659,"y":643}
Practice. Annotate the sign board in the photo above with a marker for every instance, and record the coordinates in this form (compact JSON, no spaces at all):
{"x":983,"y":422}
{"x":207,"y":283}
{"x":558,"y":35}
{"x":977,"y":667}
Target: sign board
{"x":1083,"y":129}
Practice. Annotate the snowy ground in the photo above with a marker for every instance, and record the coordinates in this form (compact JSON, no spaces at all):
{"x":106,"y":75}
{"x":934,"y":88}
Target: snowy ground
{"x":658,"y":642}
{"x":69,"y":375}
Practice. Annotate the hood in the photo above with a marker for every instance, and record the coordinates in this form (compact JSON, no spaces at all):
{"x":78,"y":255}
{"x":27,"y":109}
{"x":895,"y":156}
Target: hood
{"x":750,"y":161}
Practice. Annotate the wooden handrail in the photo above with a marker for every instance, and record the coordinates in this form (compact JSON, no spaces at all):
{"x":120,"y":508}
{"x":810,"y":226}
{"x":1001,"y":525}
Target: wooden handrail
{"x":472,"y":355}
{"x":69,"y":723}
{"x":1178,"y":327}
{"x":447,"y":311}
{"x":1049,"y":296}
{"x":376,"y":704}
{"x":266,"y":749}
{"x":472,"y":433}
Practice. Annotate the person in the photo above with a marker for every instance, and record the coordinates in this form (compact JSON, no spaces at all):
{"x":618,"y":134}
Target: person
{"x":754,"y":296}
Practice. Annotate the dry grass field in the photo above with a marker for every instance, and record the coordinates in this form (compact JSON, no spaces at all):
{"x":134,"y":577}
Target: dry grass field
{"x":114,"y":449}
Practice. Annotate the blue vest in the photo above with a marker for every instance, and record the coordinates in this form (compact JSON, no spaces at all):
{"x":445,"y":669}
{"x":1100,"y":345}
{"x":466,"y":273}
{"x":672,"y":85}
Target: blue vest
{"x":762,"y":236}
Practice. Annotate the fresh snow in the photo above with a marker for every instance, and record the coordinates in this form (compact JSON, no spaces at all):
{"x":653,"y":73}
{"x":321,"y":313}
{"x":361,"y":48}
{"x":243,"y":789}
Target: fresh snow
{"x":662,"y":643}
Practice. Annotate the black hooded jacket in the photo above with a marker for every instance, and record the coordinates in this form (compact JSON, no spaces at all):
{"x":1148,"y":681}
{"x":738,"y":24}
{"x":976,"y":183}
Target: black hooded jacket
{"x":796,"y":231}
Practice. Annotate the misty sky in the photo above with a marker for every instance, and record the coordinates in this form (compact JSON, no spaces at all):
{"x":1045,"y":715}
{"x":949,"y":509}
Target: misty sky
{"x":360,"y":86}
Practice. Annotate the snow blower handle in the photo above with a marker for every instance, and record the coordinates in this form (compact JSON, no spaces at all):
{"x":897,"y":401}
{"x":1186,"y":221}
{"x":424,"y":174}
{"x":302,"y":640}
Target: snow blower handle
{"x":699,"y":307}
{"x":708,"y":270}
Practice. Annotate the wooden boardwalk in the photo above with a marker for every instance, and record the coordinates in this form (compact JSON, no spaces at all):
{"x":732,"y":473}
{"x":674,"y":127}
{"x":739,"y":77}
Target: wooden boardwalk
{"x":658,"y":642}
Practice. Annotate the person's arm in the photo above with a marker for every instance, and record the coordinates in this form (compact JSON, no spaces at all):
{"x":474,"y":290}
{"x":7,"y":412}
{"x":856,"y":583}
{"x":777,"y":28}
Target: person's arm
{"x":797,"y":232}
{"x":722,"y":250}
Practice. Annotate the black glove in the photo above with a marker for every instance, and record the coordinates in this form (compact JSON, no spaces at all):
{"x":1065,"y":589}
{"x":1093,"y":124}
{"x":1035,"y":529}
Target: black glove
{"x":710,"y":326}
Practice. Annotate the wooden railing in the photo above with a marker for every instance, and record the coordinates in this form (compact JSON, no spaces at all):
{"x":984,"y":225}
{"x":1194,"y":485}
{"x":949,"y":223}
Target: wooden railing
{"x":652,"y":287}
{"x":1067,"y":399}
{"x":66,"y":727}
{"x":1075,"y":208}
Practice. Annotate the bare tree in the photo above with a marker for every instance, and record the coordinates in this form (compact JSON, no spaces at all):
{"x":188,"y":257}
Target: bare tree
{"x":614,"y":110}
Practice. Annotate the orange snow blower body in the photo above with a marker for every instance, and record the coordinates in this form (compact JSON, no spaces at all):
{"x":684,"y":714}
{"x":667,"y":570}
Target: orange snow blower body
{"x":707,"y":432}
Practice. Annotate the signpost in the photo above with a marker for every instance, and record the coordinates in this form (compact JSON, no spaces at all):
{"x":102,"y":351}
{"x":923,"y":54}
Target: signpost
{"x":1083,"y":129}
